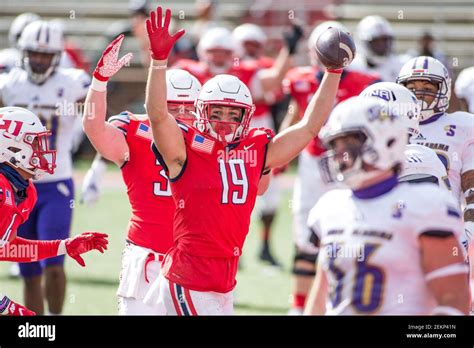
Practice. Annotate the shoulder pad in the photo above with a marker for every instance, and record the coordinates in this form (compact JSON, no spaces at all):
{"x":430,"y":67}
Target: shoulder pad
{"x":123,"y":117}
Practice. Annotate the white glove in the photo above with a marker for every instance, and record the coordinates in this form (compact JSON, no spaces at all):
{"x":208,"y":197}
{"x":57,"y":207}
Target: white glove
{"x":90,"y":187}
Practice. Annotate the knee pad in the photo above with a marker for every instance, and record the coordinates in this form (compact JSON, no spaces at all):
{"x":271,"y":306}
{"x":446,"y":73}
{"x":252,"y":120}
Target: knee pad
{"x":307,"y":258}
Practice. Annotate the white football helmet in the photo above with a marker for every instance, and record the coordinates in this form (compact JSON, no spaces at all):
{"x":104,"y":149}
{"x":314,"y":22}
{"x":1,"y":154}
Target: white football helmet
{"x":217,"y":38}
{"x":226,"y":90}
{"x":318,"y":30}
{"x":182,"y":88}
{"x":24,"y":142}
{"x":400,"y":101}
{"x":17,"y":26}
{"x":432,"y":70}
{"x":371,"y":28}
{"x":380,"y":146}
{"x":42,"y":37}
{"x":249,"y":32}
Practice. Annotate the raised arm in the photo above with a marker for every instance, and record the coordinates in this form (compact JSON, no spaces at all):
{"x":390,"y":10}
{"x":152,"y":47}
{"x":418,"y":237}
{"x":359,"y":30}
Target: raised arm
{"x":107,"y":139}
{"x":167,"y":135}
{"x":45,"y":249}
{"x":316,"y":303}
{"x":291,"y":141}
{"x":272,"y":77}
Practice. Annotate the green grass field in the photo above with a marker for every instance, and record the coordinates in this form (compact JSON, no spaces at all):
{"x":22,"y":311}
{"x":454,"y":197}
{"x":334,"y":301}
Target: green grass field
{"x":261,"y":289}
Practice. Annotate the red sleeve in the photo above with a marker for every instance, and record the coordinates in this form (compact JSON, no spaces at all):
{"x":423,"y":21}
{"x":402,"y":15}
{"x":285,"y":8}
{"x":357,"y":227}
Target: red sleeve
{"x":26,"y":250}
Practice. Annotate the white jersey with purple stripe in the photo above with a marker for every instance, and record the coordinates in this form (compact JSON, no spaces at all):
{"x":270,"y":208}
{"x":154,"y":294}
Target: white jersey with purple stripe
{"x":369,"y":245}
{"x":451,"y":136}
{"x":54,"y":103}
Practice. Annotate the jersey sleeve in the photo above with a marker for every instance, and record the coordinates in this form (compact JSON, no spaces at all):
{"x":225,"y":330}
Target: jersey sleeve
{"x":464,"y":83}
{"x":468,"y":152}
{"x":121,"y":122}
{"x":314,"y":224}
{"x":442,"y":215}
{"x":80,"y":84}
{"x":39,"y":250}
{"x":3,"y":82}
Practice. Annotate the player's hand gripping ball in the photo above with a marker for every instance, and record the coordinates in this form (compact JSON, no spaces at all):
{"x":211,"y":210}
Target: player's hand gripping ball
{"x":335,"y":49}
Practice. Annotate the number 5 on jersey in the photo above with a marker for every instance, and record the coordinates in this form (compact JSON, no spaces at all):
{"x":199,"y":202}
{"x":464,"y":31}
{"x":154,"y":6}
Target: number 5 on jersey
{"x":236,"y":189}
{"x":162,"y":187}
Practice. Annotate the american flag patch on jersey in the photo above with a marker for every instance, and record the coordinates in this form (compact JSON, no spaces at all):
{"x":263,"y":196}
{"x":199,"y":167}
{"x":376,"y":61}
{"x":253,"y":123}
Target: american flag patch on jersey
{"x":8,"y":198}
{"x":202,"y":144}
{"x":144,"y":131}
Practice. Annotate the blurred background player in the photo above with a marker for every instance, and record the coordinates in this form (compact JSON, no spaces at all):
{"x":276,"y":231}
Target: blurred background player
{"x":54,"y":94}
{"x":375,"y":52}
{"x":252,"y":40}
{"x":71,"y":57}
{"x":11,"y":57}
{"x":361,"y":268}
{"x":126,"y":140}
{"x":464,"y":89}
{"x":450,"y":135}
{"x":427,"y":47}
{"x":218,"y":53}
{"x":24,"y":155}
{"x":301,"y":83}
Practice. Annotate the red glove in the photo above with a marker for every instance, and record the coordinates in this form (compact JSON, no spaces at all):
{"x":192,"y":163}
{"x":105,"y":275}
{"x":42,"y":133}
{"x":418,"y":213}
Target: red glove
{"x":161,"y":42}
{"x":84,"y":243}
{"x":8,"y":307}
{"x":109,"y":63}
{"x":335,"y":71}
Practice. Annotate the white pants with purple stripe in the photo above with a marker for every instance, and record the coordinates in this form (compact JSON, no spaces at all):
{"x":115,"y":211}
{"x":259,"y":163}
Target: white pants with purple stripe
{"x":176,"y":300}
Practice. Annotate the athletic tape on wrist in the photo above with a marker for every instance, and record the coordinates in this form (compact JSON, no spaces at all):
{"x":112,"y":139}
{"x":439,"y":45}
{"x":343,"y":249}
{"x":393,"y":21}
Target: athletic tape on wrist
{"x":456,"y":268}
{"x":99,"y":86}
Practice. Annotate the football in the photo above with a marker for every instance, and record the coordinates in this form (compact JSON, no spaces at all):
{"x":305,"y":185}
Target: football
{"x":335,"y":48}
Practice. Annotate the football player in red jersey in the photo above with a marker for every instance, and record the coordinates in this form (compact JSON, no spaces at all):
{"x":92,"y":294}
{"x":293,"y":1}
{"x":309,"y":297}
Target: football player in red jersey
{"x":214,"y":172}
{"x":301,"y":83}
{"x":126,"y":140}
{"x":25,"y":154}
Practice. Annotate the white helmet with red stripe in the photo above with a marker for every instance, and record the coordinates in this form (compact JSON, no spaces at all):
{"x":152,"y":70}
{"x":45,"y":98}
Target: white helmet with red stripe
{"x":41,"y":37}
{"x":224,"y":90}
{"x":182,"y":87}
{"x":24,"y":142}
{"x":432,"y":70}
{"x":218,"y":37}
